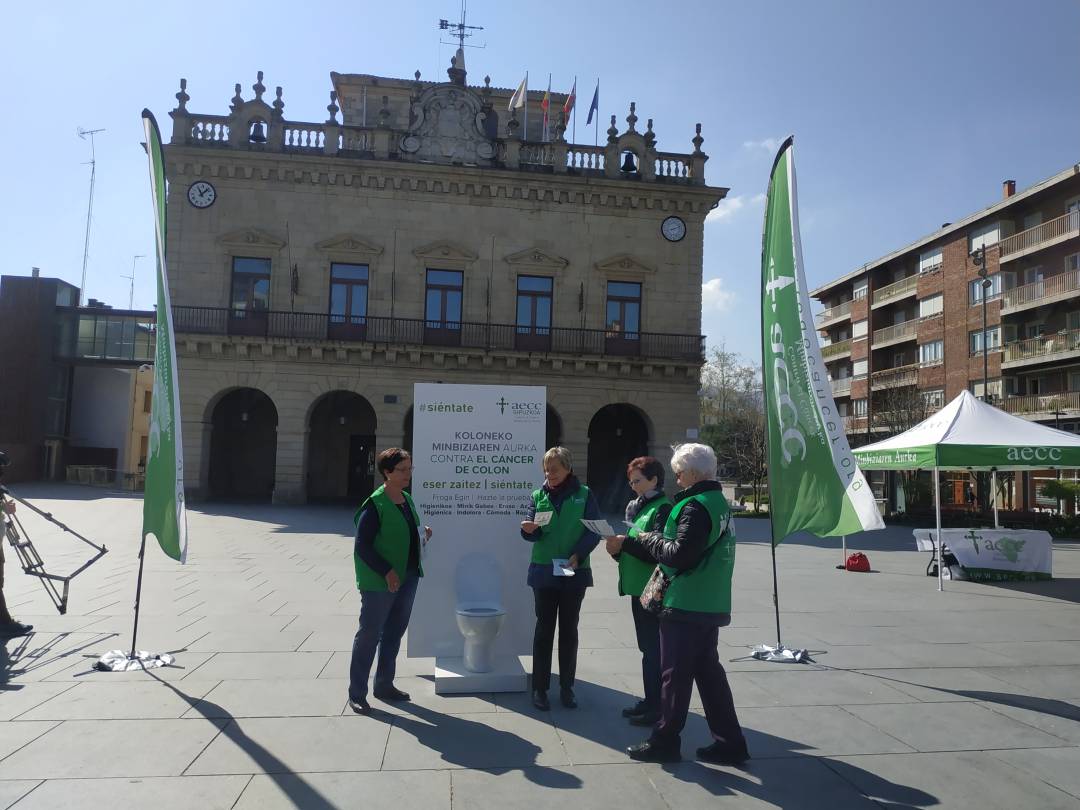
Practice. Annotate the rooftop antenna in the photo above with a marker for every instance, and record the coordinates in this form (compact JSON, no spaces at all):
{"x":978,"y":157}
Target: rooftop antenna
{"x":460,"y":29}
{"x":131,"y":278}
{"x":82,"y":133}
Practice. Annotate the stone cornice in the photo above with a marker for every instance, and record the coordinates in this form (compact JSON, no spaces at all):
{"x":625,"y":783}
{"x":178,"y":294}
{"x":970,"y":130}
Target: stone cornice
{"x":348,"y":243}
{"x":251,"y":237}
{"x":284,"y":350}
{"x":693,"y":202}
{"x":534,"y":257}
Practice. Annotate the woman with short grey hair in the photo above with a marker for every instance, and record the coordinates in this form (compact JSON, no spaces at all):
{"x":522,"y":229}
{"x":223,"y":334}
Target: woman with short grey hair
{"x":696,"y":552}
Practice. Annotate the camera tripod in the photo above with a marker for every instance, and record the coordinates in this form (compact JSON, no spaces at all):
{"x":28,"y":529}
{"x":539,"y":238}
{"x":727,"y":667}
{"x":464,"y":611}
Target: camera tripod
{"x":56,"y":585}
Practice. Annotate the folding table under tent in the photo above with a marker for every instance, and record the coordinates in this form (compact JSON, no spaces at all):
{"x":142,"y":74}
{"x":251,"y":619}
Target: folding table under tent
{"x":969,"y":434}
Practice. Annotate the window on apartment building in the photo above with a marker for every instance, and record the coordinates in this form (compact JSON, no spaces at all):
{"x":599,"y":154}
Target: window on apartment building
{"x":992,"y":386}
{"x":930,"y":260}
{"x":623,"y":309}
{"x":993,"y":339}
{"x":931,"y":353}
{"x":934,"y":399}
{"x":348,"y":293}
{"x":976,"y":288}
{"x":858,"y":407}
{"x":1074,"y":380}
{"x":984,"y":236}
{"x":147,"y":401}
{"x":250,"y":285}
{"x":1033,"y":220}
{"x":842,"y":408}
{"x":1072,"y":263}
{"x":860,"y":289}
{"x":858,"y":329}
{"x":931,"y":305}
{"x":859,"y":368}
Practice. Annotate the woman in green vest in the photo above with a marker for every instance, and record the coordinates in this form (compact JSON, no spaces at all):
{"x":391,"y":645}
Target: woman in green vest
{"x":696,"y":550}
{"x":645,"y":513}
{"x":559,"y":570}
{"x":386,"y":555}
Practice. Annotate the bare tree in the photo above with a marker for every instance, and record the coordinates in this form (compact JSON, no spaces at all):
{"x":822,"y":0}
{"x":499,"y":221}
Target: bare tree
{"x":895,"y":410}
{"x":733,"y":416}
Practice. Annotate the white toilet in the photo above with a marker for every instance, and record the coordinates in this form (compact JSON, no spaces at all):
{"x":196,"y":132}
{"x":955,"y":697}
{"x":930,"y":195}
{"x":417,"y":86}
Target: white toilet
{"x":480,"y":624}
{"x":480,"y":613}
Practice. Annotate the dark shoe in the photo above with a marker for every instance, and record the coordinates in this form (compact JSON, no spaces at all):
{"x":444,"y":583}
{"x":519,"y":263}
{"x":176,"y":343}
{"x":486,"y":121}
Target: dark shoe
{"x":566,"y":697}
{"x":360,"y":706}
{"x":637,"y":708}
{"x":654,"y":751}
{"x":13,"y":629}
{"x":723,"y":755}
{"x":540,"y":700}
{"x":645,"y":719}
{"x":391,"y":694}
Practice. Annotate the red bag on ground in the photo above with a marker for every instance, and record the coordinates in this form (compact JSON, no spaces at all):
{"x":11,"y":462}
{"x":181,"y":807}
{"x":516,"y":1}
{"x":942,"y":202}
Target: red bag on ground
{"x":858,"y":562}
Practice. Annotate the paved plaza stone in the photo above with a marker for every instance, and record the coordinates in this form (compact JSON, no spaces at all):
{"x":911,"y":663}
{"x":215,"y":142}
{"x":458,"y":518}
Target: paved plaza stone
{"x":967,"y":698}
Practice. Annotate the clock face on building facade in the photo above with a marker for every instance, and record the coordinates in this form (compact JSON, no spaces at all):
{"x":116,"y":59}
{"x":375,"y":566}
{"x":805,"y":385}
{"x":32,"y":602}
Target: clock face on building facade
{"x":673,"y":229}
{"x":201,"y":194}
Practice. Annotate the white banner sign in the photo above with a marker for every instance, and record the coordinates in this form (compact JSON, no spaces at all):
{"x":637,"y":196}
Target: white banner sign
{"x":476,"y":459}
{"x":989,"y":554}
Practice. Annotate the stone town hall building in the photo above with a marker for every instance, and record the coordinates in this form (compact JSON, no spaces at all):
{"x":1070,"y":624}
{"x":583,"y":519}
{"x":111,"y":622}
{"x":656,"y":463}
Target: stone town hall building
{"x":318,"y":270}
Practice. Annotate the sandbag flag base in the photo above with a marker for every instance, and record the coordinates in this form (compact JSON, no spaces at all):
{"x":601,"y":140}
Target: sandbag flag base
{"x":120,"y":661}
{"x":815,"y":484}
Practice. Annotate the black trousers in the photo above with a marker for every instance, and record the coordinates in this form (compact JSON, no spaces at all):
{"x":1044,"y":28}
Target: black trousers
{"x":561,"y":606}
{"x":689,"y":655}
{"x":647,"y":629}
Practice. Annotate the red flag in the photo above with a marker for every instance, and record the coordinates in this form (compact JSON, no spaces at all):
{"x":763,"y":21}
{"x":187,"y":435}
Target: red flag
{"x":570,"y":100}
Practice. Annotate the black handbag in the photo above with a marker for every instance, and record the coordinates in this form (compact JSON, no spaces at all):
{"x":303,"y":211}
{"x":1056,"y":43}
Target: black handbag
{"x":652,"y":596}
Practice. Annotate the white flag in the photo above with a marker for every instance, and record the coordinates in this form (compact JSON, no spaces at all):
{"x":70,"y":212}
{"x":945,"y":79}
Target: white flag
{"x":517,"y":101}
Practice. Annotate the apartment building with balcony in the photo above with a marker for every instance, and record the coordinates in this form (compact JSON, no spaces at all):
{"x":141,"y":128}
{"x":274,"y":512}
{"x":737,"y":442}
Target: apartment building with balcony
{"x":318,"y":270}
{"x":912,"y":320}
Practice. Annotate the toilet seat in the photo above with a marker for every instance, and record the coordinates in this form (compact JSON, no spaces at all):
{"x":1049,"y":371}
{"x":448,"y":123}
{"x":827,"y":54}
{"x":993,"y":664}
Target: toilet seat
{"x":480,"y":611}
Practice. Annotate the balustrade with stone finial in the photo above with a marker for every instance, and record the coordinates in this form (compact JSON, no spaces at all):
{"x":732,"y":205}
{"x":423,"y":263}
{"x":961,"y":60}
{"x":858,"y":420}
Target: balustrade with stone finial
{"x":256,"y":125}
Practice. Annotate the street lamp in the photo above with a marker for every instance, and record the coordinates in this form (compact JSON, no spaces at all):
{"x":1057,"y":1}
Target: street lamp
{"x":978,"y":256}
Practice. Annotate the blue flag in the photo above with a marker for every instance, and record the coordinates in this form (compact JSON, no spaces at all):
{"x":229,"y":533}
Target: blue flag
{"x":595,"y":103}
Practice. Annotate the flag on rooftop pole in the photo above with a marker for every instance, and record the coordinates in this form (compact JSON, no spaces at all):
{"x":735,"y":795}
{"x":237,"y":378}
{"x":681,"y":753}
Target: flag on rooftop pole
{"x":164,"y":513}
{"x":594,"y":108}
{"x":568,"y":108}
{"x":545,"y":105}
{"x":520,"y":100}
{"x":814,"y":481}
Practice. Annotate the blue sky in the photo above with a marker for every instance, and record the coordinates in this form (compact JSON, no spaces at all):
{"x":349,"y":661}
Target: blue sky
{"x":905,"y":115}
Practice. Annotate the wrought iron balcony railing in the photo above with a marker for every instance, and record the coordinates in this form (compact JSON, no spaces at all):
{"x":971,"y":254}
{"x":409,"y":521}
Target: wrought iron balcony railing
{"x":445,"y":334}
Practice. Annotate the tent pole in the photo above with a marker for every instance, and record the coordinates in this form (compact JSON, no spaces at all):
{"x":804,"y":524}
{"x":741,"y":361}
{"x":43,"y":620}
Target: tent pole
{"x":993,"y":494}
{"x":940,"y":545}
{"x":843,"y":552}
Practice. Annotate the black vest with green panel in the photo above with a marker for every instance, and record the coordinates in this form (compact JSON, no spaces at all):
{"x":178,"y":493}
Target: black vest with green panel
{"x":558,"y":538}
{"x":634,"y":573}
{"x":392,"y":542}
{"x":706,"y":588}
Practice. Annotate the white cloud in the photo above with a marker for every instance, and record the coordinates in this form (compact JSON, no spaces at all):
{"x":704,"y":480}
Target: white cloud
{"x":714,"y":298}
{"x":768,"y":144}
{"x":729,"y":206}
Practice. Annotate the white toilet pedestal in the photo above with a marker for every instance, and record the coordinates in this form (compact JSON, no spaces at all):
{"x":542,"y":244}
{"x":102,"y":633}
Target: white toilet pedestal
{"x":507,"y":674}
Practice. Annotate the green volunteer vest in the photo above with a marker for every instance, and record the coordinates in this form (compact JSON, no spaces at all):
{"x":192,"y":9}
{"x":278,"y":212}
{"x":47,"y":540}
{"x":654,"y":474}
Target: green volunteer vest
{"x":392,"y":541}
{"x":707,"y":587}
{"x":558,"y":538}
{"x":634,"y":573}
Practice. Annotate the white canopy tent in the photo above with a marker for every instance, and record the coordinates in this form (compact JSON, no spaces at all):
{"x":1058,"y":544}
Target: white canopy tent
{"x":968,"y":434}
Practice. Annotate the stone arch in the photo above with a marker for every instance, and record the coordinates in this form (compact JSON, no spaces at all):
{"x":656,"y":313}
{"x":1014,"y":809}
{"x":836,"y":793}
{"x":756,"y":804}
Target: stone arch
{"x":243,"y":445}
{"x":618,"y":433}
{"x":553,"y":427}
{"x":340,"y":466}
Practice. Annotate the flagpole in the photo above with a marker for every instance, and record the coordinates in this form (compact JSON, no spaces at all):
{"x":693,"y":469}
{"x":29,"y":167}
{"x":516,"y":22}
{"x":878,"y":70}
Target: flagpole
{"x":547,"y":111}
{"x":573,"y":112}
{"x":596,"y":125}
{"x":765,"y":438}
{"x":138,"y":596}
{"x":525,"y":126}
